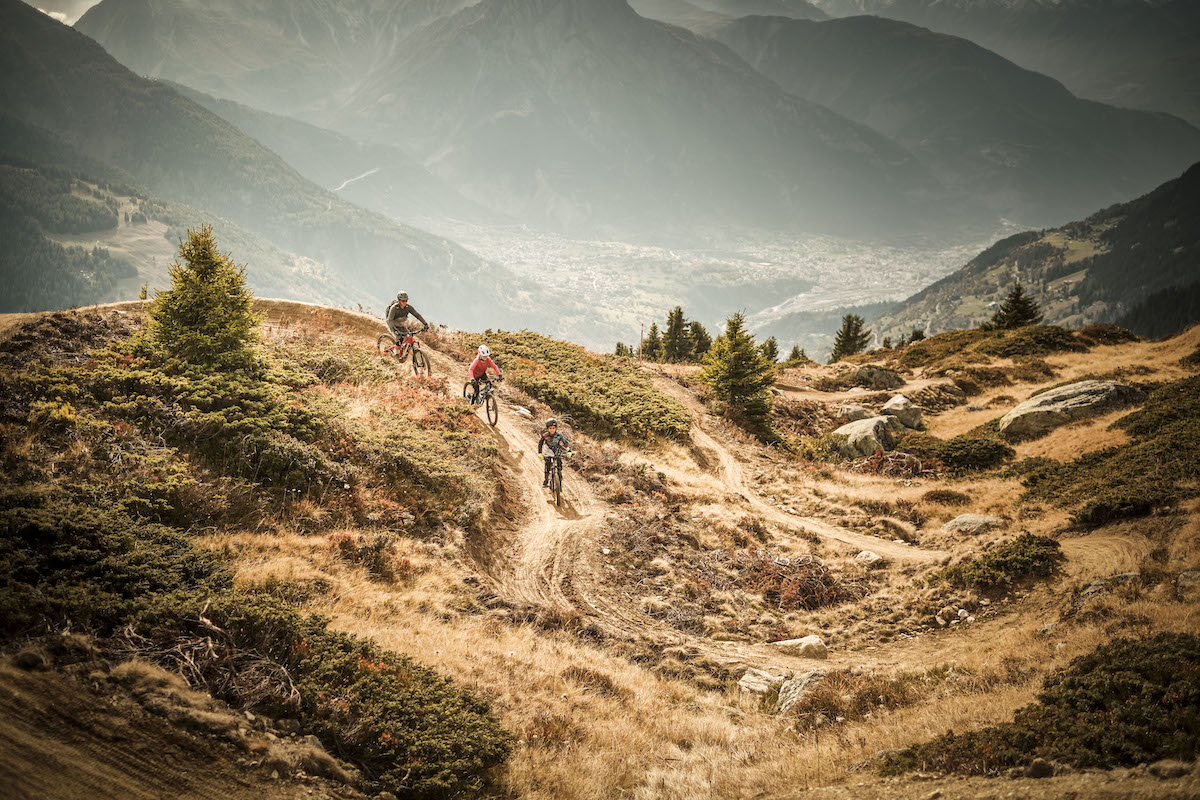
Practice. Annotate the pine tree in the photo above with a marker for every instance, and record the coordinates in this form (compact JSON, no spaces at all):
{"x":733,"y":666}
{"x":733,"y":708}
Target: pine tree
{"x":850,"y":339}
{"x":1017,"y":311}
{"x":887,"y":343}
{"x":676,"y":346}
{"x":740,"y":375}
{"x":797,"y":356}
{"x":622,"y":350}
{"x":206,"y":318}
{"x":701,"y":341}
{"x":652,"y":348}
{"x":916,"y":335}
{"x":770,"y":349}
{"x":145,"y":292}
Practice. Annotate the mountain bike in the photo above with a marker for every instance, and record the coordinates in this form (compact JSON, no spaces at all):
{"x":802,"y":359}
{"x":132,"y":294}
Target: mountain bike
{"x":486,"y":398}
{"x":556,"y":475}
{"x":387,"y":345}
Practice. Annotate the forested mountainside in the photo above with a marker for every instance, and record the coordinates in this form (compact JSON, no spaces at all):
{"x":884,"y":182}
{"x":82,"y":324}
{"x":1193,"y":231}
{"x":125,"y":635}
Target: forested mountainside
{"x":1132,"y":53}
{"x":635,"y":126}
{"x":55,"y":78}
{"x":1135,"y":262}
{"x":1019,"y":141}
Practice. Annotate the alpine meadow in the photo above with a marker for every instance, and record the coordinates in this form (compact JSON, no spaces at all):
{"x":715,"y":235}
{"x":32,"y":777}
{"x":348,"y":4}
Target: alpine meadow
{"x":600,"y":399}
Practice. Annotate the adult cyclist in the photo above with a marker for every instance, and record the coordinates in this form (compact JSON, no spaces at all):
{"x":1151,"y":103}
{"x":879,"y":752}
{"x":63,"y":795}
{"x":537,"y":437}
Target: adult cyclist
{"x":397,"y":318}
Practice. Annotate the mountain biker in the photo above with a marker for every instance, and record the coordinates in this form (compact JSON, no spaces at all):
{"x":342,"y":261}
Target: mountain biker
{"x":558,"y":445}
{"x":477,"y":372}
{"x":398,"y":313}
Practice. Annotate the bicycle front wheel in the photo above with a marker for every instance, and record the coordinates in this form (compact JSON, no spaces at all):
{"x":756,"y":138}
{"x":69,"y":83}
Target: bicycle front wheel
{"x":556,"y":486}
{"x":493,"y":410}
{"x":420,"y":363}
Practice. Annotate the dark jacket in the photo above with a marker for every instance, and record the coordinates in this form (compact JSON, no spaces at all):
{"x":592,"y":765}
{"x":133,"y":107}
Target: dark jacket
{"x":557,"y":443}
{"x":395,"y":313}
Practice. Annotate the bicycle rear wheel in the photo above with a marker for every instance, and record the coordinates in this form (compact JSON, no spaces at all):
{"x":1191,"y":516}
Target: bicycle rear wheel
{"x":384,"y":342}
{"x":420,"y":363}
{"x":467,"y":390}
{"x":493,"y":410}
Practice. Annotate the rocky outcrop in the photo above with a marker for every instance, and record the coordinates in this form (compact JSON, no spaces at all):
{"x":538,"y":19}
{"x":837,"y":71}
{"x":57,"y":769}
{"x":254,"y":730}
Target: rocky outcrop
{"x":1044,"y":412}
{"x":972,"y":524}
{"x":865,"y":436}
{"x":806,"y":647}
{"x":905,"y":410}
{"x":878,"y":379}
{"x":757,"y":681}
{"x":852,"y":412}
{"x":792,"y":691}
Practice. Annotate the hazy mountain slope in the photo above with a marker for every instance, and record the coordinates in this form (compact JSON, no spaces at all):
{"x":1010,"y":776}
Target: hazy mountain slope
{"x":986,"y":126}
{"x":1089,"y":271}
{"x":380,"y":177}
{"x":681,"y":13}
{"x":56,"y":78}
{"x":1135,"y":53}
{"x":576,"y":112}
{"x":795,"y":9}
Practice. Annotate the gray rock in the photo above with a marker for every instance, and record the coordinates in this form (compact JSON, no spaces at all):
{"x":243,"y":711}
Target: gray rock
{"x":853,"y":412}
{"x":1048,"y":410}
{"x":797,"y":688}
{"x":972,"y":524}
{"x":805,"y":647}
{"x":1169,"y":768}
{"x":869,"y":559}
{"x":905,"y":410}
{"x":1191,"y":578}
{"x":947,"y":613}
{"x":313,"y":742}
{"x":878,"y":378}
{"x":758,"y":682}
{"x":865,"y":436}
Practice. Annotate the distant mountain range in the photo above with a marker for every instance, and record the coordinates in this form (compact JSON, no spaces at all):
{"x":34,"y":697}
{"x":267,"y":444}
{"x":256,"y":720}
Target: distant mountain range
{"x":579,"y":115}
{"x":1133,"y":53}
{"x":989,"y":129}
{"x":1133,"y":263}
{"x":55,"y":79}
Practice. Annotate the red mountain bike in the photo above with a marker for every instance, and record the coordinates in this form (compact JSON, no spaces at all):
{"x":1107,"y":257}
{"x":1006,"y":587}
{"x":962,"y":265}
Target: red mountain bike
{"x":387,"y":345}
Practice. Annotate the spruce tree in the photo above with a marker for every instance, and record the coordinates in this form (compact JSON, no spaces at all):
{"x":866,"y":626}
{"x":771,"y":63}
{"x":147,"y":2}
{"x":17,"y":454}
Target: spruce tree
{"x":1017,"y":311}
{"x":652,"y":348}
{"x":676,"y":347}
{"x":622,"y":350}
{"x":700,"y":340}
{"x":916,"y":335}
{"x":850,"y":339}
{"x":797,"y":356}
{"x":770,"y":349}
{"x":206,"y":318}
{"x":740,"y":375}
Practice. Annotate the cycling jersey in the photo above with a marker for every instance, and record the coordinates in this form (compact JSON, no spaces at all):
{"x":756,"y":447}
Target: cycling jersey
{"x":479,"y":368}
{"x":555,"y":441}
{"x":395,"y":314}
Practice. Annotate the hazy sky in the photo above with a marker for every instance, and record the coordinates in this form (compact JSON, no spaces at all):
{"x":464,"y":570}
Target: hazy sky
{"x":70,"y":10}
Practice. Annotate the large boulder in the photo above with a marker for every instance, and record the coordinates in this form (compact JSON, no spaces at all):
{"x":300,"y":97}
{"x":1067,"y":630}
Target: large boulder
{"x":878,"y":379}
{"x":805,"y":647}
{"x":1050,"y":409}
{"x":795,"y":689}
{"x":852,"y":412}
{"x":758,"y":682}
{"x":905,"y":410}
{"x":972,"y":524}
{"x":869,"y":559}
{"x":865,"y":436}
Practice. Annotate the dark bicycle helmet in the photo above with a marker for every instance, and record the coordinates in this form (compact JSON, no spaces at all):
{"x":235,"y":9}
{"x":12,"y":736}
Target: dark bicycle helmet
{"x":402,"y":296}
{"x":552,"y":422}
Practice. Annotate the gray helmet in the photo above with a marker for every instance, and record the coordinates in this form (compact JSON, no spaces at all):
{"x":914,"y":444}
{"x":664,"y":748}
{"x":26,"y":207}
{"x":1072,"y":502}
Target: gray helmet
{"x":402,"y":296}
{"x":552,"y":423}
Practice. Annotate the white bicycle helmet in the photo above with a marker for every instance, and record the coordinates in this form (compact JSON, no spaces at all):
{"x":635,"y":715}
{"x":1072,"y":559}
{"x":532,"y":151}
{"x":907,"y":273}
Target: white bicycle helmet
{"x":484,"y":352}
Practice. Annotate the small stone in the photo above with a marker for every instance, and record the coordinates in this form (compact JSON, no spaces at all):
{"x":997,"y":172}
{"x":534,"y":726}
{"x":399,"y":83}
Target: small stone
{"x":972,"y":524}
{"x":934,"y":795}
{"x":970,"y":619}
{"x":805,"y":647}
{"x":963,"y":613}
{"x":985,"y":602}
{"x":948,"y":612}
{"x":274,"y":774}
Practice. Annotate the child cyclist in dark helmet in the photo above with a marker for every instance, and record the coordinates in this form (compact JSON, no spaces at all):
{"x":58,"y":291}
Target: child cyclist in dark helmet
{"x":556,"y":445}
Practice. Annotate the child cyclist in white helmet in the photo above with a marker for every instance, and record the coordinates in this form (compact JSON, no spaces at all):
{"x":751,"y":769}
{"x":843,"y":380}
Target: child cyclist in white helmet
{"x":479,"y":368}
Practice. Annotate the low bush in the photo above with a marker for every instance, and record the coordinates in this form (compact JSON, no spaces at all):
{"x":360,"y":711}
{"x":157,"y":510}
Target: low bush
{"x":961,"y":454}
{"x":946,"y":497}
{"x":1160,"y":466}
{"x":1128,"y":702}
{"x":604,"y":395}
{"x":1022,"y":558}
{"x":1106,"y":333}
{"x":979,"y":345}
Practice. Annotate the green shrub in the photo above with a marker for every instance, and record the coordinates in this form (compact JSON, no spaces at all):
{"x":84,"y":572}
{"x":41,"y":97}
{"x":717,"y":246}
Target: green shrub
{"x":1128,"y":702}
{"x":961,"y":454}
{"x":605,"y":395}
{"x":979,"y":345}
{"x":946,"y":497}
{"x":1160,"y":466}
{"x":1026,"y":556}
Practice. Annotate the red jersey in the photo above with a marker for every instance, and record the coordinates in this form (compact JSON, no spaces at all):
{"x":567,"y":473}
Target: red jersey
{"x":479,"y":368}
